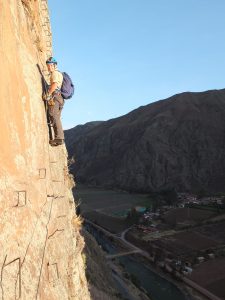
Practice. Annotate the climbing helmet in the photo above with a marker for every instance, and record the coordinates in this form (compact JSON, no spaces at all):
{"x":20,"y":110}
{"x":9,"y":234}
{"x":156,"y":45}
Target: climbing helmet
{"x":51,"y":60}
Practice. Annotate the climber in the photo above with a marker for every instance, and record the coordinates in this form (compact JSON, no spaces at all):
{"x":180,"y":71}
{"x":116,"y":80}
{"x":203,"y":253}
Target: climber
{"x":55,"y":101}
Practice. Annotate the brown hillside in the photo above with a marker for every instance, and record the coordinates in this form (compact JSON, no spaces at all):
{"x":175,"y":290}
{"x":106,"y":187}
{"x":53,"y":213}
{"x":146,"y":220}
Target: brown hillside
{"x":174,"y":143}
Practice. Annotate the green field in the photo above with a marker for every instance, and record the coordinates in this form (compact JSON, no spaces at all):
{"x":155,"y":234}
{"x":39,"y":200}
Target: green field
{"x":114,"y":203}
{"x":107,"y":208}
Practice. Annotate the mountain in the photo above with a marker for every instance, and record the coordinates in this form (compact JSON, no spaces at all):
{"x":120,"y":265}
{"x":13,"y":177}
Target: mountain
{"x":176,"y":143}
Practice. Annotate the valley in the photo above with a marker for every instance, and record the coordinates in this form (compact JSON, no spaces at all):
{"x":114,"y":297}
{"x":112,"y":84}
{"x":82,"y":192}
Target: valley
{"x":170,"y":249}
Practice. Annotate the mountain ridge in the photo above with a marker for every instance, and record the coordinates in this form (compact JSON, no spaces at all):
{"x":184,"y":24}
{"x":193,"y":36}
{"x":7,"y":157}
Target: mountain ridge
{"x":176,"y":143}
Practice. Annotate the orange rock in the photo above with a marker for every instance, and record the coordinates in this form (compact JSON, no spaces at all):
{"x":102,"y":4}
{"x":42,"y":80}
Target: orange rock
{"x":38,"y":238}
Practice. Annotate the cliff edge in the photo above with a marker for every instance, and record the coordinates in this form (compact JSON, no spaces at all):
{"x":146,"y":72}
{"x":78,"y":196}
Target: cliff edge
{"x":40,"y":242}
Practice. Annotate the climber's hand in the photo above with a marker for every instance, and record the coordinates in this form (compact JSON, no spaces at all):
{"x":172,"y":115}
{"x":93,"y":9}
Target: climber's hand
{"x":46,"y":97}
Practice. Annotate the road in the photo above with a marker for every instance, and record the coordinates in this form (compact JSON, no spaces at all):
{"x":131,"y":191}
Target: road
{"x":121,"y":238}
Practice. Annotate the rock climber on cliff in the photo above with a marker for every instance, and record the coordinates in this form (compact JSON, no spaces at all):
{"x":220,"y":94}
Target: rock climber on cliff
{"x":55,"y":101}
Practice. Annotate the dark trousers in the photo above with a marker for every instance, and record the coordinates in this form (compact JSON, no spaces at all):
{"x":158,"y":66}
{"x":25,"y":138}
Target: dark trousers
{"x":54,"y":112}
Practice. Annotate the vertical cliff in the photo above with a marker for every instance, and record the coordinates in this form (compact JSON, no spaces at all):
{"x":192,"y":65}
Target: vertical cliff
{"x":40,"y":244}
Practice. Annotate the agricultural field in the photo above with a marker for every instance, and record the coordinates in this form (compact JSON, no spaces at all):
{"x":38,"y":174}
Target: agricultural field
{"x":107,"y":208}
{"x":215,"y":231}
{"x":187,"y":215}
{"x":114,"y":203}
{"x":186,"y":243}
{"x":110,"y":223}
{"x":211,"y":276}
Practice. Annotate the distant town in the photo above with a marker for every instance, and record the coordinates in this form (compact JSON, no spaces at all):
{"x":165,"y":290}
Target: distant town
{"x":186,"y":239}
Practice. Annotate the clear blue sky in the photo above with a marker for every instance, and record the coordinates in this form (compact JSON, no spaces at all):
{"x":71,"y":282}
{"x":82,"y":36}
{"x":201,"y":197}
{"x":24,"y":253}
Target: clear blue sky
{"x":123,"y":54}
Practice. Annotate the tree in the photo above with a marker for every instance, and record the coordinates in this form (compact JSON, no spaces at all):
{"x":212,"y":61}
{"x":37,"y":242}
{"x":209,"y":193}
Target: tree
{"x":155,"y":204}
{"x":201,"y":193}
{"x":133,"y":216}
{"x":223,"y":202}
{"x":170,"y":196}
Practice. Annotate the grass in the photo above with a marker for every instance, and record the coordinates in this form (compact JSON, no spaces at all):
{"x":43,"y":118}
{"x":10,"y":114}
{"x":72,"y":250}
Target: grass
{"x":112,"y":224}
{"x":107,"y":201}
{"x":107,"y":208}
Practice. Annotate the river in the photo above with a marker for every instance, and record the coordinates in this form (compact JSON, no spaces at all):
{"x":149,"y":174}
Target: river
{"x":157,"y":287}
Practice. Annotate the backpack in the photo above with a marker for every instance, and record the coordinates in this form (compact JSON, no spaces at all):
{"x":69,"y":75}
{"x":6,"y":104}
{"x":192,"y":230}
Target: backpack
{"x":67,"y":89}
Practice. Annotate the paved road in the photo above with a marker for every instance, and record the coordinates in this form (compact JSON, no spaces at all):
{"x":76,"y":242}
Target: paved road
{"x":122,"y":254}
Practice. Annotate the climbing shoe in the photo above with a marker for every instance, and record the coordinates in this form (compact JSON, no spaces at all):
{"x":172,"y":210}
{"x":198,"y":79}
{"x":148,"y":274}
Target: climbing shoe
{"x":56,"y":142}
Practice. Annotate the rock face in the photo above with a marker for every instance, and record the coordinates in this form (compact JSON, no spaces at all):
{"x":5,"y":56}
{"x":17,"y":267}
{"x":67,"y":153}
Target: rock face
{"x":40,"y":244}
{"x":102,"y":285}
{"x":174,"y":143}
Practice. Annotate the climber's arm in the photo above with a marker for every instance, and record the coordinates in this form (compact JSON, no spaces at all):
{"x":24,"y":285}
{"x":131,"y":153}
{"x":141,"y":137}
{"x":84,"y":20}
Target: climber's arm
{"x":52,"y":88}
